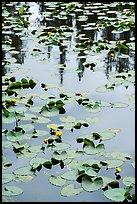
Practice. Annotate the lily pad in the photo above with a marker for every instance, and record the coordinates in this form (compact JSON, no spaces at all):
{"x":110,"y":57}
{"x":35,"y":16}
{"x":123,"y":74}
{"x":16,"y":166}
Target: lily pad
{"x":11,"y":191}
{"x":72,"y":153}
{"x":23,"y":171}
{"x":7,"y":177}
{"x":113,"y":163}
{"x":57,"y":180}
{"x":90,"y":148}
{"x":89,"y":184}
{"x":129,"y":180}
{"x":70,"y":175}
{"x":115,"y":194}
{"x":70,"y":190}
{"x":6,"y":144}
{"x":60,"y":156}
{"x":60,"y":146}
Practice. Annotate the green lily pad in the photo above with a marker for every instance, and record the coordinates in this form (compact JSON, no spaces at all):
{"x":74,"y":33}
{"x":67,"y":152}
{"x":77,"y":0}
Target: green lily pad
{"x":106,"y":181}
{"x":27,"y":127}
{"x":68,"y":119}
{"x":14,"y":137}
{"x":115,"y":194}
{"x":70,"y":190}
{"x":6,"y":144}
{"x":92,"y":108}
{"x":119,"y":105}
{"x":40,"y":133}
{"x":57,"y":180}
{"x":22,"y":178}
{"x":70,"y":175}
{"x":133,"y":163}
{"x":11,"y":191}
{"x":5,"y":163}
{"x":89,"y":184}
{"x":92,"y":120}
{"x":74,"y":153}
{"x":37,"y":161}
{"x":40,"y":119}
{"x":7,"y":177}
{"x":60,"y":156}
{"x":113,"y":163}
{"x":129,"y":180}
{"x":37,"y":148}
{"x":60,"y":146}
{"x":90,"y":148}
{"x":49,"y":113}
{"x":23,"y":171}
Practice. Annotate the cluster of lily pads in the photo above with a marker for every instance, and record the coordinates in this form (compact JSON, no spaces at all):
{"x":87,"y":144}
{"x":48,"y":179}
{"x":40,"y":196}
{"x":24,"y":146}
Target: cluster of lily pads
{"x":84,"y":165}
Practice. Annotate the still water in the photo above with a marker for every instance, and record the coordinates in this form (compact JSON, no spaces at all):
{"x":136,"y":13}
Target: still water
{"x":48,"y":67}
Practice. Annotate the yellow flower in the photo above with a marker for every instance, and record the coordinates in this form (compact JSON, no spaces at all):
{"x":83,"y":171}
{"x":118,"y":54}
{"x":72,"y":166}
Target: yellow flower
{"x":112,"y":54}
{"x":10,"y":40}
{"x":13,"y":100}
{"x":2,"y":24}
{"x":45,"y":141}
{"x":53,"y":127}
{"x":118,"y":170}
{"x":49,"y":33}
{"x":58,"y":133}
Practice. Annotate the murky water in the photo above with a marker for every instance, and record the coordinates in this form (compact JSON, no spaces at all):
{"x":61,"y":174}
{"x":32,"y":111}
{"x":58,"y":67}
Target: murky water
{"x":73,"y":77}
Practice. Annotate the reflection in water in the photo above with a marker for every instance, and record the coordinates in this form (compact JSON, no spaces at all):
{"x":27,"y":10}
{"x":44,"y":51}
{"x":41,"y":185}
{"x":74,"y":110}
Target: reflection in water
{"x":62,"y":62}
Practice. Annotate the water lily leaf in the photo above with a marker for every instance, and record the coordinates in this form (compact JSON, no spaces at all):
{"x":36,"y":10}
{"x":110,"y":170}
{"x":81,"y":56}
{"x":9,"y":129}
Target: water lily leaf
{"x":26,"y":154}
{"x":10,"y":119}
{"x":106,"y":181}
{"x":105,"y":88}
{"x":90,"y":172}
{"x":60,"y":156}
{"x":133,"y":163}
{"x":7,"y":177}
{"x":60,"y":146}
{"x":23,"y":171}
{"x":57,"y":180}
{"x":40,"y":133}
{"x":37,"y":161}
{"x":36,"y":148}
{"x":89,"y":184}
{"x":6,"y":144}
{"x":91,"y":149}
{"x":68,"y":119}
{"x":70,"y":190}
{"x":92,"y":120}
{"x":106,"y":135}
{"x":14,"y":137}
{"x":92,"y":108}
{"x":27,"y":127}
{"x":38,"y":119}
{"x":120,"y":155}
{"x":113,"y":163}
{"x":5,"y":163}
{"x":49,"y":113}
{"x":70,"y":175}
{"x":74,"y":164}
{"x":74,"y":153}
{"x":129,"y":180}
{"x":119,"y":105}
{"x":22,"y":178}
{"x":11,"y":191}
{"x":115,"y":194}
{"x":8,"y":199}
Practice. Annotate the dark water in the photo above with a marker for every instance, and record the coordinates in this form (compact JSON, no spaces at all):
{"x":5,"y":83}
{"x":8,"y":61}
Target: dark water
{"x":73,"y":77}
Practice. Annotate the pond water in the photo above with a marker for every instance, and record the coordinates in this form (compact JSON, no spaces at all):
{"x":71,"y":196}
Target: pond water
{"x":84,"y":51}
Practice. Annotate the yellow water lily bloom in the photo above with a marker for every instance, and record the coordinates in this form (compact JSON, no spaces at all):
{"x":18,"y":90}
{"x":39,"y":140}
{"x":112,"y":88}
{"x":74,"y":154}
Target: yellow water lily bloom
{"x":13,"y":100}
{"x":2,"y":24}
{"x":112,"y":55}
{"x":49,"y":33}
{"x":118,"y":169}
{"x":10,"y":40}
{"x":45,"y":141}
{"x":53,"y":127}
{"x":58,"y":133}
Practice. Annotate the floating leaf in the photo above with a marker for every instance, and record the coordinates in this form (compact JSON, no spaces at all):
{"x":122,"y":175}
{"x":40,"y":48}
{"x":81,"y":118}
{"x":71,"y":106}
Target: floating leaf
{"x":23,"y":171}
{"x":49,"y":113}
{"x":89,"y":184}
{"x":60,"y":156}
{"x":60,"y":146}
{"x":7,"y":177}
{"x":119,"y":105}
{"x":27,"y":127}
{"x":70,"y":190}
{"x":91,"y":149}
{"x":92,"y":108}
{"x":36,"y":148}
{"x":115,"y":194}
{"x":113,"y":163}
{"x":74,"y":153}
{"x":37,"y":161}
{"x":11,"y":191}
{"x":129,"y":180}
{"x":106,"y":181}
{"x":22,"y":178}
{"x":6,"y":144}
{"x":57,"y":180}
{"x":133,"y":163}
{"x":70,"y":175}
{"x":68,"y":119}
